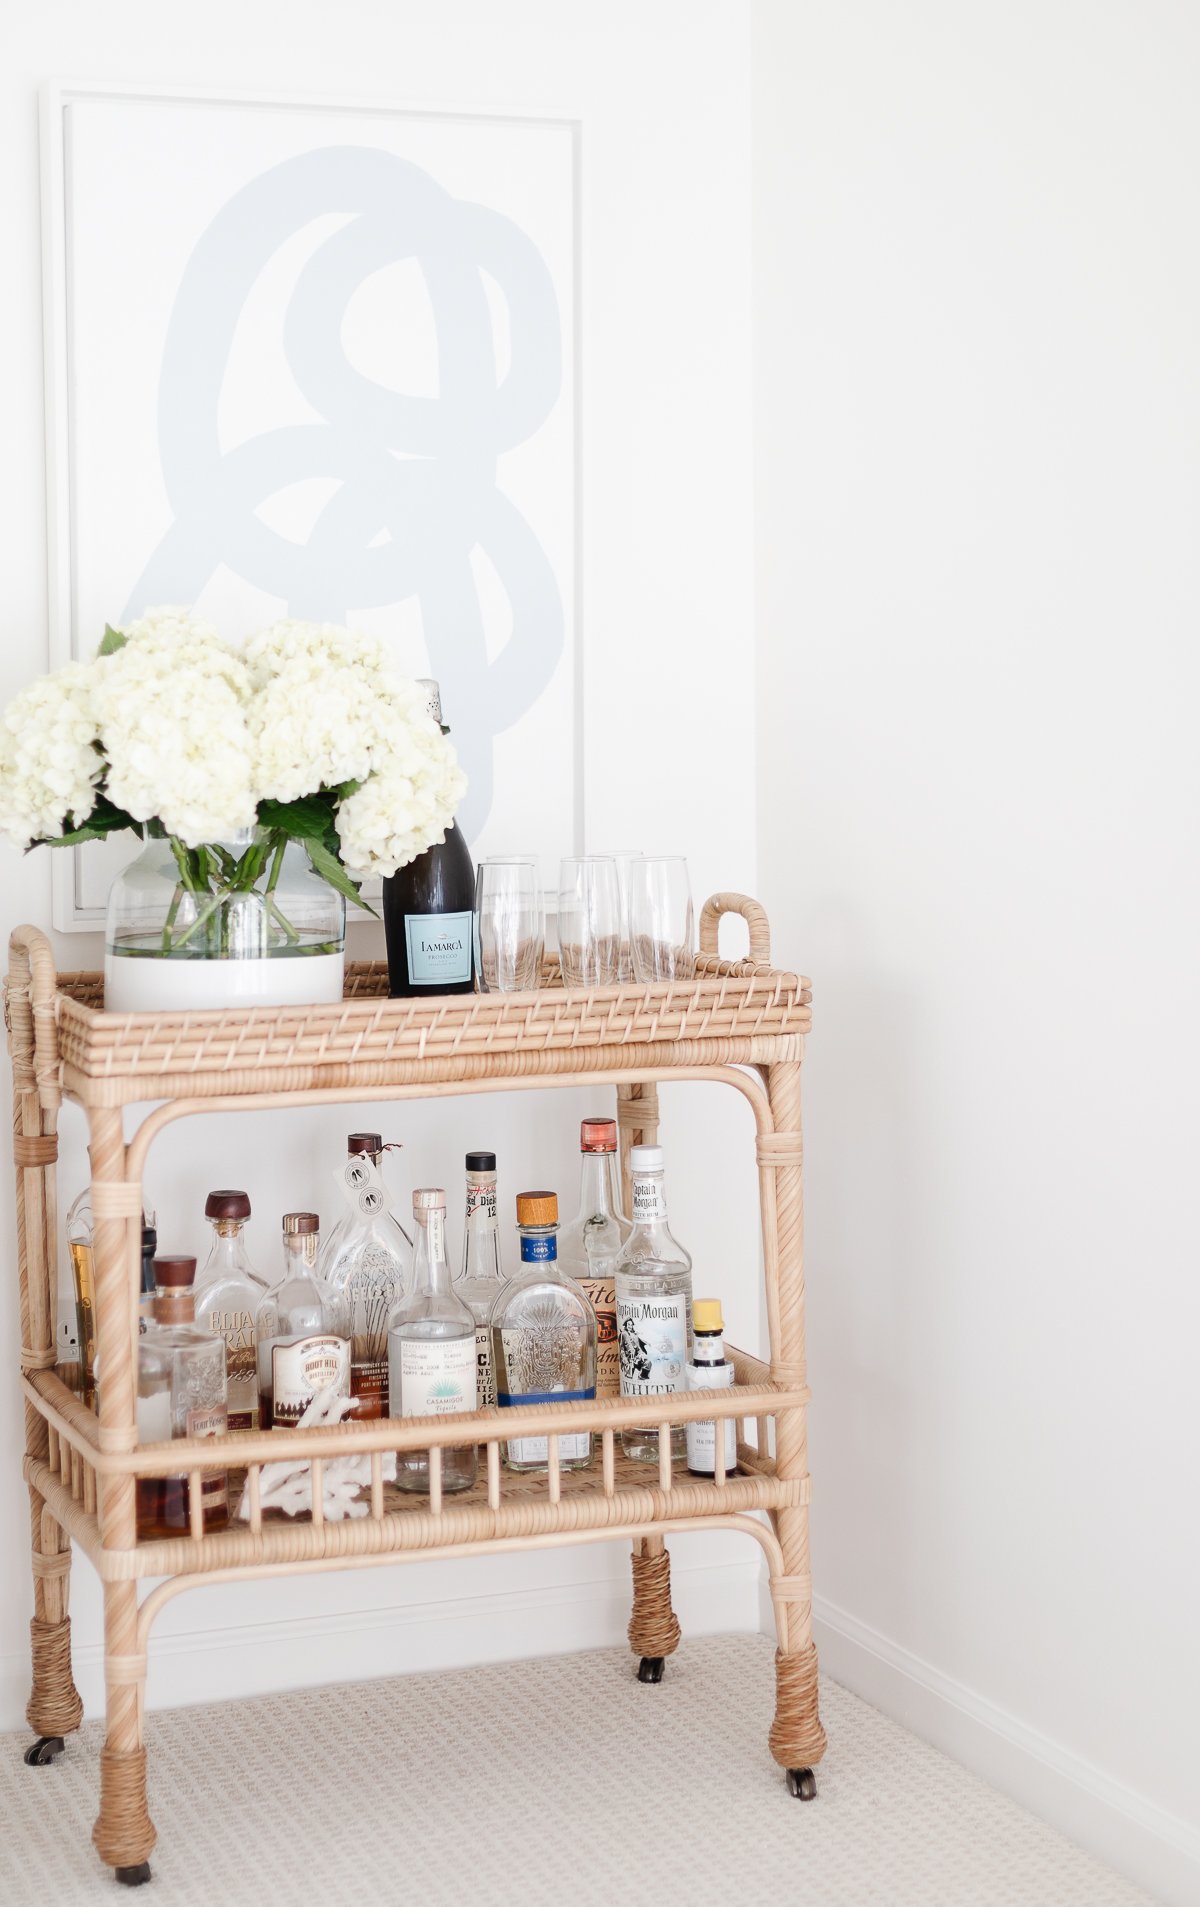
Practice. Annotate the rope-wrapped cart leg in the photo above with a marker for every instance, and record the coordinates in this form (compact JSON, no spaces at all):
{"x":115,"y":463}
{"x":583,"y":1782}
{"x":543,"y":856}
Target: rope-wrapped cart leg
{"x":54,"y":1710}
{"x":653,"y":1626}
{"x":797,"y":1739}
{"x":124,"y":1833}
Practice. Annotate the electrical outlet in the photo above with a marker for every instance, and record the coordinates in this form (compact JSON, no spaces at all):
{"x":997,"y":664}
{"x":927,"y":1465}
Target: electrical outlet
{"x":68,"y":1341}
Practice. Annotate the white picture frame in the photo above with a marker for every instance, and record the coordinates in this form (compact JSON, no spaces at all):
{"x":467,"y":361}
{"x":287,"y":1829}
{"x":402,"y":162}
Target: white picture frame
{"x":532,"y":158}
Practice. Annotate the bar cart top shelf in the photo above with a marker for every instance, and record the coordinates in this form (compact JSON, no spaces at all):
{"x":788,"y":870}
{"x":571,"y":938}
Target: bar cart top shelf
{"x":731,"y":1011}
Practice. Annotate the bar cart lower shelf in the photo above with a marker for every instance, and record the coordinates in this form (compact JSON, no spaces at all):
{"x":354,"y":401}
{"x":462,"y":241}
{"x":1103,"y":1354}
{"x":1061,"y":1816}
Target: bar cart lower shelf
{"x":740,"y":1023}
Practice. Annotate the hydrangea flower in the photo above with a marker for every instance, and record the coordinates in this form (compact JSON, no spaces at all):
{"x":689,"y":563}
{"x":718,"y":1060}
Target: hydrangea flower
{"x":49,"y":765}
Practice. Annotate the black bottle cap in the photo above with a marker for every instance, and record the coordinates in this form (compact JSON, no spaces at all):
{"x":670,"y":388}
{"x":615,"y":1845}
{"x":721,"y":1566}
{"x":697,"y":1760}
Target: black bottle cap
{"x":481,"y":1162}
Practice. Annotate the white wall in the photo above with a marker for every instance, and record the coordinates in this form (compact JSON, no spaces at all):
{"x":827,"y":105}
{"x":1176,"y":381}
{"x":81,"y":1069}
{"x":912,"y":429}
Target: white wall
{"x":977,"y":278}
{"x":663,"y":92}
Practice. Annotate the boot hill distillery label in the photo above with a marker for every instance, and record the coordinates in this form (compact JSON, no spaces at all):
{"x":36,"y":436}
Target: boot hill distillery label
{"x":302,"y":1368}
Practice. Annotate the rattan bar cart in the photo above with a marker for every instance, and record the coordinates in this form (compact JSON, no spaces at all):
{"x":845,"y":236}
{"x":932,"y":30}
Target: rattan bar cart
{"x":741,"y":1023}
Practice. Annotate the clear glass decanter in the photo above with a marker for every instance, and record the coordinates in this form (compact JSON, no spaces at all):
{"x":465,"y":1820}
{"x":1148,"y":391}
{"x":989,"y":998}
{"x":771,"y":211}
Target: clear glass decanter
{"x":431,"y":1351}
{"x":479,"y":1282}
{"x":303,"y":1342}
{"x":590,"y":1246}
{"x":181,"y":1393}
{"x":543,"y":1338}
{"x":228,"y":1294}
{"x":654,"y":1305}
{"x":368,"y":1260}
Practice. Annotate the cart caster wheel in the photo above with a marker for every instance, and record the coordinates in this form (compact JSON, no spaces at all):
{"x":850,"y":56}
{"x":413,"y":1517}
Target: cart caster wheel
{"x":650,"y":1668}
{"x":44,"y":1749}
{"x":802,"y":1783}
{"x":133,"y":1876}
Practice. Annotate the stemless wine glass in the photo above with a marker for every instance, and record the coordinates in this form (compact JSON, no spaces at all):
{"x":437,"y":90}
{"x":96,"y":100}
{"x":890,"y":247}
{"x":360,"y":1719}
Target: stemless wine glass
{"x":623,"y":860}
{"x":661,"y":918}
{"x":509,"y":931}
{"x":589,"y":921}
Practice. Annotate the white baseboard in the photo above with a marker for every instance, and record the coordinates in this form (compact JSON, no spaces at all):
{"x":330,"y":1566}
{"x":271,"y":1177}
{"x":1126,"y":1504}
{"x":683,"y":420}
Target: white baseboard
{"x":210,"y":1665}
{"x":1157,"y":1850}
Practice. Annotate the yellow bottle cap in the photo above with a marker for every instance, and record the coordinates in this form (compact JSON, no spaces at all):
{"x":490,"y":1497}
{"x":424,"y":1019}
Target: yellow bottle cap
{"x":706,"y":1315}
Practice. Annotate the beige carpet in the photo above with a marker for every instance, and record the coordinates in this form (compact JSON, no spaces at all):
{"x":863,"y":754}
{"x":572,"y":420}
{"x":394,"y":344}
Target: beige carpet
{"x":540,"y":1784}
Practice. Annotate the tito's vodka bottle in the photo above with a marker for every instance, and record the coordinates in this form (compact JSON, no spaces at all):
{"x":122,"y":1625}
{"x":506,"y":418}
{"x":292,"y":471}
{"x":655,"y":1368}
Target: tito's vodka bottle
{"x":368,"y":1260}
{"x":181,"y":1393}
{"x":429,"y":910}
{"x":303,"y":1345}
{"x":228,"y":1294}
{"x":431,"y":1352}
{"x":654,"y":1305}
{"x":588,"y":1249}
{"x":479,"y":1283}
{"x":543,"y":1337}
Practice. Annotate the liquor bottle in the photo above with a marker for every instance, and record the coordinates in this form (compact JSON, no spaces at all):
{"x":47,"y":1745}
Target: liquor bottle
{"x":709,"y":1370}
{"x":83,"y":1275}
{"x":146,"y":1294}
{"x":654,"y":1305}
{"x":228,"y":1294}
{"x":429,"y":910}
{"x":368,"y":1261}
{"x":303,"y":1342}
{"x":431,"y":1352}
{"x":181,"y":1393}
{"x":543,"y":1338}
{"x":589,"y":1248}
{"x":479,"y":1282}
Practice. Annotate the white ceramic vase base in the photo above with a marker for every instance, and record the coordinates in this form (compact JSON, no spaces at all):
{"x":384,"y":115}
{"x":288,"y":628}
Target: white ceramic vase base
{"x":134,"y":984}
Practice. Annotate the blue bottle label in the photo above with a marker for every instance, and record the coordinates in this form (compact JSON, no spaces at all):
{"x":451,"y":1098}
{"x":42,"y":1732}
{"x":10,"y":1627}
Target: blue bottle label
{"x":439,"y":948}
{"x":538,"y":1251}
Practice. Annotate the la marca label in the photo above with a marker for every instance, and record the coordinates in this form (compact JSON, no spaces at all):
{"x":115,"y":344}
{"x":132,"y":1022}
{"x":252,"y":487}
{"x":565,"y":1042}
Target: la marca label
{"x":439,"y":948}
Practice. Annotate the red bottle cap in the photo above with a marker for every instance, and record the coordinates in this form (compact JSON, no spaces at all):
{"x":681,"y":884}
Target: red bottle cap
{"x":598,"y":1135}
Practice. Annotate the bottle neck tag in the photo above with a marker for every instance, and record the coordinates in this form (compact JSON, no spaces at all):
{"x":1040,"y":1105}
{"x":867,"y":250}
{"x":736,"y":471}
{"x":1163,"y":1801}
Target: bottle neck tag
{"x":649,"y":1199}
{"x":360,"y":1183}
{"x":481,"y":1202}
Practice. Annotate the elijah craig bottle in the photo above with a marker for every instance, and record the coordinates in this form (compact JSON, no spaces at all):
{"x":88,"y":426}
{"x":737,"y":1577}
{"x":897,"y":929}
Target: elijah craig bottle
{"x":428,"y":911}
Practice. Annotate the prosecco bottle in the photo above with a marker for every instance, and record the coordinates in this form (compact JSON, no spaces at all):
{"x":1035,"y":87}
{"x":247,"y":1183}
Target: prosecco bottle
{"x":428,"y":912}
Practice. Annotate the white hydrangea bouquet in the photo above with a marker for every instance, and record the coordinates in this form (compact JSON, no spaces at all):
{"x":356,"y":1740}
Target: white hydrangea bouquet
{"x":306,"y":733}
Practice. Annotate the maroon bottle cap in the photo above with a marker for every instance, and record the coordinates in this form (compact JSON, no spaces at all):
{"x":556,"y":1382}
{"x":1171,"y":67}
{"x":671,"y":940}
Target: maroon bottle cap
{"x":227,"y":1205}
{"x":174,"y":1273}
{"x":302,"y":1222}
{"x":598,"y":1135}
{"x":364,"y":1142}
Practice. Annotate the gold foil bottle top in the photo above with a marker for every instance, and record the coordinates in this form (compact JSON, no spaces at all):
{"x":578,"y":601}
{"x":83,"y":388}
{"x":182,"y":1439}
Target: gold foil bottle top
{"x":537,"y":1208}
{"x":706,"y":1315}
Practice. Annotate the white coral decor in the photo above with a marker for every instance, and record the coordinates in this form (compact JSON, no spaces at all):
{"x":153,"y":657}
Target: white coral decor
{"x":307,"y":732}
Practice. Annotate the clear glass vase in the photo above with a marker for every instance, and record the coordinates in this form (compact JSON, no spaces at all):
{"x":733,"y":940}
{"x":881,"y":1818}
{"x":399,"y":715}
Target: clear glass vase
{"x":240,"y":923}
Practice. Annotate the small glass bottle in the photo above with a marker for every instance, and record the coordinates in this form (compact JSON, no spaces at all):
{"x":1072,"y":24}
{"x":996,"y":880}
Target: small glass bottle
{"x":543,"y":1338}
{"x":83,"y":1277}
{"x":479,"y":1282}
{"x":710,"y":1370}
{"x":181,"y":1393}
{"x":369,"y":1260}
{"x":431,"y":1351}
{"x":654,"y":1305}
{"x":589,"y":1248}
{"x":228,"y":1294}
{"x":303,"y":1343}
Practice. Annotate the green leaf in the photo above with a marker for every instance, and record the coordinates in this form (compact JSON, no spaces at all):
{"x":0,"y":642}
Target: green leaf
{"x":331,"y":870}
{"x":113,"y":640}
{"x":105,"y":818}
{"x":308,"y":819}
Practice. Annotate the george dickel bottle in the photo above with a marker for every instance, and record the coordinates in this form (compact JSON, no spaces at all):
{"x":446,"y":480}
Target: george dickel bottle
{"x":429,"y":911}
